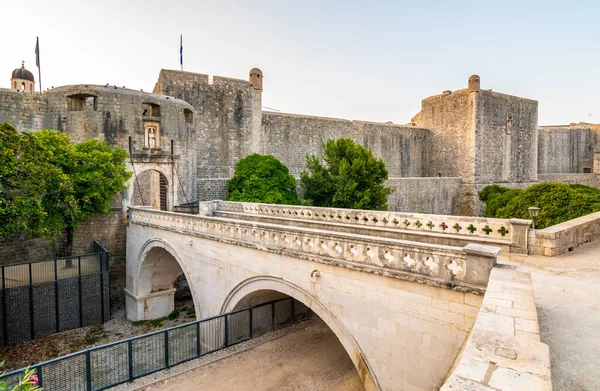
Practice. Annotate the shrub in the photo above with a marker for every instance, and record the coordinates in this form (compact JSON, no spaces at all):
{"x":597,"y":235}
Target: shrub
{"x":558,"y":202}
{"x":262,"y":178}
{"x":350,"y":178}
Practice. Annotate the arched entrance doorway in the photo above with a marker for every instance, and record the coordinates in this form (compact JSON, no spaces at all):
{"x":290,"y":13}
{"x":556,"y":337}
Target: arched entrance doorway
{"x":160,"y":278}
{"x":151,"y":188}
{"x":263,"y":289}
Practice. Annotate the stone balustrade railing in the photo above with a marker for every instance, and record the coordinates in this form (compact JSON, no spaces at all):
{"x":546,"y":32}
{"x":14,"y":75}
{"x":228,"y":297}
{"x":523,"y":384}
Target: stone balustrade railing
{"x":461,"y":268}
{"x":513,"y":232}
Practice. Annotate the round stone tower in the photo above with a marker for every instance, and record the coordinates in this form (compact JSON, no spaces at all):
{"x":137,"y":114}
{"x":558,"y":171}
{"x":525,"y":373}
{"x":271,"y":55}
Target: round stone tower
{"x":256,"y":78}
{"x":22,"y":79}
{"x":474,"y":83}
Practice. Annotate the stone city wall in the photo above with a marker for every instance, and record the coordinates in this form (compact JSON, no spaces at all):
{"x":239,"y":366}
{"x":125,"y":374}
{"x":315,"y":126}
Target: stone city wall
{"x":506,"y":138}
{"x":504,"y":351}
{"x":565,"y":149}
{"x":564,"y":237}
{"x":590,"y":180}
{"x":228,"y":118}
{"x":424,"y":195}
{"x":289,"y":137}
{"x":23,"y":110}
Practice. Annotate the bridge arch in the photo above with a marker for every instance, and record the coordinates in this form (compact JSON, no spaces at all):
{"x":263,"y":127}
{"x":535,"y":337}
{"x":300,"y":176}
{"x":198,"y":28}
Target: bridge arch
{"x":151,"y":292}
{"x":278,"y":284}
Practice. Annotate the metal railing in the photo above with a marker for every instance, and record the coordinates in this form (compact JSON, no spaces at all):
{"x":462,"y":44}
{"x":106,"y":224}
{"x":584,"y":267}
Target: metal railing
{"x":106,"y":366}
{"x":46,"y":297}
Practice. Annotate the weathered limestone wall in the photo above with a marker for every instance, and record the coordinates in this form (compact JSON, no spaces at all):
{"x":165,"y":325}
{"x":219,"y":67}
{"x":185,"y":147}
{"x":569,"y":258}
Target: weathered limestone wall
{"x":23,"y":110}
{"x":504,"y":351}
{"x":424,"y":195}
{"x":403,"y":334}
{"x":506,"y":138}
{"x":564,"y":237}
{"x":227,"y":112}
{"x":590,"y":180}
{"x":402,"y":148}
{"x":565,"y":149}
{"x":107,"y":229}
{"x":449,"y":117}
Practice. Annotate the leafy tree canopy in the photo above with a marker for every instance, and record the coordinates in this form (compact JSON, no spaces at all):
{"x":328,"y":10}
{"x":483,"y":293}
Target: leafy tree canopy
{"x":47,"y":183}
{"x":558,"y":202}
{"x":350,"y":178}
{"x":262,"y":178}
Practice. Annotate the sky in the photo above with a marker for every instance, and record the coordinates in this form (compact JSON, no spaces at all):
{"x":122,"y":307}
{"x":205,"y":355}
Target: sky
{"x":364,"y":60}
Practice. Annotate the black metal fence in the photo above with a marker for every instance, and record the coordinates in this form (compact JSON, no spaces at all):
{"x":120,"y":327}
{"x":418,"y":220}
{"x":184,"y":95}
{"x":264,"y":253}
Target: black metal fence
{"x":119,"y":362}
{"x":46,"y":297}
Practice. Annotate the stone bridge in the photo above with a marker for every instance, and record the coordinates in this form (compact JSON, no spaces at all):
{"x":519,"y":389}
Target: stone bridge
{"x":402,"y":309}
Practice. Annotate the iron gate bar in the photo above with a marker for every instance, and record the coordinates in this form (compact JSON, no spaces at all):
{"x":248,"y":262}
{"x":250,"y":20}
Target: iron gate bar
{"x":89,"y":371}
{"x":44,"y":276}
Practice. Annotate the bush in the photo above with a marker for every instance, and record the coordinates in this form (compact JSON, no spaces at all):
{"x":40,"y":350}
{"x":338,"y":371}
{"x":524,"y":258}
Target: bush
{"x":559,"y":202}
{"x":350,"y":178}
{"x":262,"y":178}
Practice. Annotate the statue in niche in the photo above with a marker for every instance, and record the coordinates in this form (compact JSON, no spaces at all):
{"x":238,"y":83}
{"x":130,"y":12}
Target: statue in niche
{"x":152,"y":135}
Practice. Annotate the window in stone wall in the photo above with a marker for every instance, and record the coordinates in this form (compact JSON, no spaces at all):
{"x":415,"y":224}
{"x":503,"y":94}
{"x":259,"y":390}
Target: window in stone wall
{"x":150,"y":110}
{"x":587,"y":170}
{"x":151,"y":135}
{"x":188,"y":115}
{"x":509,"y":120}
{"x":82,"y":102}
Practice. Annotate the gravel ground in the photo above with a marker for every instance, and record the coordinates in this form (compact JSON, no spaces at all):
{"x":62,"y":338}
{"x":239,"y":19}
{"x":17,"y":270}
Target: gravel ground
{"x":55,"y":345}
{"x":303,"y":357}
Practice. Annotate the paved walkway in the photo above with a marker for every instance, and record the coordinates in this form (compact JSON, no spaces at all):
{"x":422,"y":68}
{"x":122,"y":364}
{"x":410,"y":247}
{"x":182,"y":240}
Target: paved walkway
{"x":567,"y":297}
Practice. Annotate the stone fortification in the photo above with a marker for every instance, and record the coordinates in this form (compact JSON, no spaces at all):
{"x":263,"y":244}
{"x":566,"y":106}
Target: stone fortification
{"x":482,"y":137}
{"x":566,"y":149}
{"x":402,"y":148}
{"x":228,"y":118}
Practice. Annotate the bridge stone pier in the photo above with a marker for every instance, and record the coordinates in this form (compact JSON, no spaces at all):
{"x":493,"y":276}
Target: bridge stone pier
{"x":401,"y":309}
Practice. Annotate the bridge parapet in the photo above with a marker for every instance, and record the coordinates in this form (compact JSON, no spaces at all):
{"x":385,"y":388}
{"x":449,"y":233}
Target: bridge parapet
{"x":507,"y":233}
{"x":464,"y":269}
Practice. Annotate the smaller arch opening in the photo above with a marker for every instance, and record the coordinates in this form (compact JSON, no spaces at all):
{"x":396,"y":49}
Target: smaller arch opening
{"x":150,"y":188}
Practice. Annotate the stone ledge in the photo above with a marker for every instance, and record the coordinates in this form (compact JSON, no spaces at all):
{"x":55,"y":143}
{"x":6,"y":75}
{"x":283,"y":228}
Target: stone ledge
{"x":504,"y":351}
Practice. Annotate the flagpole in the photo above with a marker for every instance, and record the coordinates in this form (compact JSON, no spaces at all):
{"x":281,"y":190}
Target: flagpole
{"x":181,"y":50}
{"x":37,"y":61}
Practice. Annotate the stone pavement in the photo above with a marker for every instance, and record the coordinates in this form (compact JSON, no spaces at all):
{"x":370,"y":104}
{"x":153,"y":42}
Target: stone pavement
{"x":567,"y":296}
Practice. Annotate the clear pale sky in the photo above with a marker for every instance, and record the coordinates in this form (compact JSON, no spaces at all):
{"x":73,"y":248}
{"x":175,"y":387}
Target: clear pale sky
{"x":368,"y":60}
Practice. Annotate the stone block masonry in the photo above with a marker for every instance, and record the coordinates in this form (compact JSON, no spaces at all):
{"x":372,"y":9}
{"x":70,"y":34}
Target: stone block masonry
{"x":398,"y":333}
{"x":504,"y":351}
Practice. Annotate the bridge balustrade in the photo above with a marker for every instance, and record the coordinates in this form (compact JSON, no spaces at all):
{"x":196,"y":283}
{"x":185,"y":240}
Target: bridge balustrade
{"x":508,"y":233}
{"x":461,"y":268}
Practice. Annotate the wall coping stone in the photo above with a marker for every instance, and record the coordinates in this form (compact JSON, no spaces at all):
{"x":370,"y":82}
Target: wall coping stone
{"x":503,"y":351}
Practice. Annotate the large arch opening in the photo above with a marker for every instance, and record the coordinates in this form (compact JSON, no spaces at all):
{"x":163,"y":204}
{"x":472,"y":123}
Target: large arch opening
{"x":151,"y":188}
{"x":161,"y":285}
{"x":327,"y":348}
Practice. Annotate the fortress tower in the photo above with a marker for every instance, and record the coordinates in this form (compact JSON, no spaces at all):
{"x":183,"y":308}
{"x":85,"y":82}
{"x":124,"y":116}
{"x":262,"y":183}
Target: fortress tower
{"x":22,"y":80}
{"x":482,"y":137}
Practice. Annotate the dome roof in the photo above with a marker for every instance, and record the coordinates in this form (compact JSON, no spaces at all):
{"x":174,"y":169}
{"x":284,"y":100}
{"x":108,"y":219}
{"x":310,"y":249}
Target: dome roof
{"x":22,"y":73}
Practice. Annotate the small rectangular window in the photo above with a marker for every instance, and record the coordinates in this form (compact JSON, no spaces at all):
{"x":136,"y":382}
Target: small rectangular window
{"x":82,"y":102}
{"x":150,"y":110}
{"x":188,"y":116}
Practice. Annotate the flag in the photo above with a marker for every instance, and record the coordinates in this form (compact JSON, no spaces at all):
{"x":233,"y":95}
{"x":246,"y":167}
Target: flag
{"x":37,"y":51}
{"x":181,"y":51}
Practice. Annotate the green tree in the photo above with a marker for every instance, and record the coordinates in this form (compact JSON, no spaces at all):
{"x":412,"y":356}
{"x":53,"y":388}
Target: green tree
{"x":350,"y":178}
{"x":559,"y":202}
{"x":262,"y":178}
{"x":48,"y":184}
